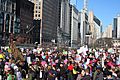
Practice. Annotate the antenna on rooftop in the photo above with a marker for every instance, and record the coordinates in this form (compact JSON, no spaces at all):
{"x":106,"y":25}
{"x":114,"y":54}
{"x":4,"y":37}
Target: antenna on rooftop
{"x":85,"y":6}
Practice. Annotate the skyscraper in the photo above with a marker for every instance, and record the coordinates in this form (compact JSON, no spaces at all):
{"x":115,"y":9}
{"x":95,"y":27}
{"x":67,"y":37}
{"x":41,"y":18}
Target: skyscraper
{"x":108,"y":32}
{"x":116,"y":27}
{"x":64,"y":22}
{"x":94,"y":27}
{"x":74,"y":30}
{"x":37,"y":9}
{"x":84,"y":26}
{"x":47,"y":12}
{"x":50,"y":20}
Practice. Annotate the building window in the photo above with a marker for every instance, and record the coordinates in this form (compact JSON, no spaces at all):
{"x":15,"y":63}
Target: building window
{"x":36,"y":7}
{"x":39,"y":15}
{"x":35,"y":15}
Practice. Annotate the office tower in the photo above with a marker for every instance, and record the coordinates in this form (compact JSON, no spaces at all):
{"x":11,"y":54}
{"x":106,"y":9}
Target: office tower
{"x":94,"y":26}
{"x":37,"y":9}
{"x":74,"y":30}
{"x":64,"y":23}
{"x":47,"y":12}
{"x":37,"y":21}
{"x":49,"y":21}
{"x":108,"y":32}
{"x":84,"y":26}
{"x":116,"y":27}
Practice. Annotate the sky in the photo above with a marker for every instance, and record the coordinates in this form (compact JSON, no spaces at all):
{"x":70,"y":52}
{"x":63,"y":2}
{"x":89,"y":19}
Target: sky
{"x":105,"y":10}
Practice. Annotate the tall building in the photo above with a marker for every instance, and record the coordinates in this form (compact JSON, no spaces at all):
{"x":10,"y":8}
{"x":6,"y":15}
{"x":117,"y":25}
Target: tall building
{"x":116,"y":27}
{"x":49,"y":20}
{"x":79,"y":33}
{"x":8,"y":20}
{"x":37,"y":9}
{"x":94,"y":27}
{"x":47,"y":12}
{"x":108,"y":32}
{"x":24,"y":12}
{"x":90,"y":26}
{"x":74,"y":30}
{"x":84,"y":26}
{"x":37,"y":20}
{"x":64,"y":23}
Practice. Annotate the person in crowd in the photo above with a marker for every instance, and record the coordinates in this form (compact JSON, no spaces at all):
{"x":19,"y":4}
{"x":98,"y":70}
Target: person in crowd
{"x":2,"y":64}
{"x":87,"y":75}
{"x":98,"y":74}
{"x":11,"y":75}
{"x":54,"y":64}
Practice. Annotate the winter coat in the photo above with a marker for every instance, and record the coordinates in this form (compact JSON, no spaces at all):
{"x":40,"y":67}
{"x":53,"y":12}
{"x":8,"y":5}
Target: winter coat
{"x":86,"y":77}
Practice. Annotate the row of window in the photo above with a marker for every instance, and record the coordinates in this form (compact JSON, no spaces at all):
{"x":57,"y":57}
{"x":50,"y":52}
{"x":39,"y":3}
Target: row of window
{"x":116,"y":41}
{"x":37,"y":6}
{"x":8,"y":7}
{"x":37,"y":11}
{"x":37,"y":15}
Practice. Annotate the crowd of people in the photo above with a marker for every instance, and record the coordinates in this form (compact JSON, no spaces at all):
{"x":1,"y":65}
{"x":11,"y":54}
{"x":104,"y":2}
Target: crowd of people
{"x":60,"y":64}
